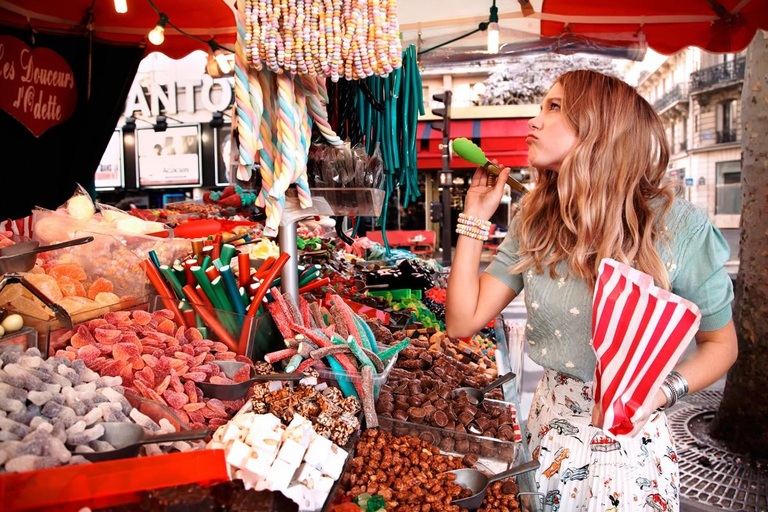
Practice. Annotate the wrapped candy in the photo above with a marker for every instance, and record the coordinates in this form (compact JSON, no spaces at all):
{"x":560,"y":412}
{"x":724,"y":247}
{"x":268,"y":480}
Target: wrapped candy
{"x":639,"y":332}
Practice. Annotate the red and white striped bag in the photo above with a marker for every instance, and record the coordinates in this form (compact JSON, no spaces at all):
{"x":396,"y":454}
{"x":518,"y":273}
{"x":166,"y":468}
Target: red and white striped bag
{"x":639,"y":333}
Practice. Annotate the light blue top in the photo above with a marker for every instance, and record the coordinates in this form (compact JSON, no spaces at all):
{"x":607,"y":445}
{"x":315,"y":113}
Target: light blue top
{"x":560,"y":310}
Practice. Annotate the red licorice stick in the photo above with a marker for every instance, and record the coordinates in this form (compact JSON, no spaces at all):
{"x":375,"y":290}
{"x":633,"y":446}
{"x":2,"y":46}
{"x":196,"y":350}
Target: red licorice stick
{"x":251,"y":289}
{"x":279,"y":355}
{"x":343,"y":360}
{"x":264,"y":268}
{"x":189,"y":316}
{"x":204,"y":297}
{"x":305,"y":364}
{"x":346,"y":312}
{"x":244,"y":267}
{"x":271,"y":275}
{"x":162,"y":289}
{"x":284,"y":307}
{"x":212,"y":272}
{"x":209,"y":317}
{"x":282,"y":322}
{"x":314,"y":285}
{"x":188,"y":264}
{"x":259,"y":297}
{"x":306,"y":315}
{"x":216,"y":246}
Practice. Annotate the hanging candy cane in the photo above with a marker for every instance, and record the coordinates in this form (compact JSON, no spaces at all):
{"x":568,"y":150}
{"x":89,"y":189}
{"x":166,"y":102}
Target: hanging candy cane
{"x":245,"y":126}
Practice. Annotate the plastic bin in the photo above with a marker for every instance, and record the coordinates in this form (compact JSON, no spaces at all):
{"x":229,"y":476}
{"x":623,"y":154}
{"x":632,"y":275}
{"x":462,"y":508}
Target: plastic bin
{"x":262,"y":335}
{"x":108,"y":484}
{"x":379,"y":380}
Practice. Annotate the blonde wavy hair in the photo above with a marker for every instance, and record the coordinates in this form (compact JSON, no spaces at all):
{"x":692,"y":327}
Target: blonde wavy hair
{"x":599,"y":204}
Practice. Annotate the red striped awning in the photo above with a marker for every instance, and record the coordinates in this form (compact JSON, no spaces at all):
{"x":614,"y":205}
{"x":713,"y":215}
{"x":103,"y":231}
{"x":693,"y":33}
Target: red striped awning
{"x":502,"y":139}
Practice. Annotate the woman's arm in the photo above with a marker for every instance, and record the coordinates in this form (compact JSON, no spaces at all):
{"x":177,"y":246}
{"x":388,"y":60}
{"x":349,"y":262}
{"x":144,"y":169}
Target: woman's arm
{"x":472,"y":300}
{"x":714,"y":354}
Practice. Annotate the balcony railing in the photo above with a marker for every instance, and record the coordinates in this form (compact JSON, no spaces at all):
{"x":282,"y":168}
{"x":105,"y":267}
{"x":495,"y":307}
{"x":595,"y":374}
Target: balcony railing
{"x":722,"y":73}
{"x":678,"y":93}
{"x":725,"y":136}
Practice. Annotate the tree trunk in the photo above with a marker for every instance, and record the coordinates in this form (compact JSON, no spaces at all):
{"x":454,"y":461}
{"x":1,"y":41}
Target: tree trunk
{"x":742,"y":419}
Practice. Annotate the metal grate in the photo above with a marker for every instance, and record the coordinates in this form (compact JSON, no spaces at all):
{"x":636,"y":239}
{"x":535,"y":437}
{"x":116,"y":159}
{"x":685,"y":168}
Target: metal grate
{"x":711,"y":477}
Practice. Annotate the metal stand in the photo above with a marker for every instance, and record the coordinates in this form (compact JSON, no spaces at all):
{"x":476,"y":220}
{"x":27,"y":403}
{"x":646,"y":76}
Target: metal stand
{"x":290,"y":273}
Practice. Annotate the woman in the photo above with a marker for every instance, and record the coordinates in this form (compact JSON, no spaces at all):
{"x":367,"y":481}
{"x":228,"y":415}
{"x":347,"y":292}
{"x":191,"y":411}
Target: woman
{"x":600,"y":155}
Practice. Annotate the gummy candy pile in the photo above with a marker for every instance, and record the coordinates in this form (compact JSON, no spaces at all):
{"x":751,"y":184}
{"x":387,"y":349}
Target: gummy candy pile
{"x":66,"y":284}
{"x":46,"y":405}
{"x":158,"y":360}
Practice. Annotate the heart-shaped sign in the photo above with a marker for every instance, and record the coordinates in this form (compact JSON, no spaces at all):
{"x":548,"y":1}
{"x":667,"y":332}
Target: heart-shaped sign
{"x":37,"y":86}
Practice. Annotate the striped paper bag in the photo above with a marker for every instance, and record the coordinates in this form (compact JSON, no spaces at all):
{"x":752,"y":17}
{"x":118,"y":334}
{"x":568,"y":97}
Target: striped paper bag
{"x":639,"y":333}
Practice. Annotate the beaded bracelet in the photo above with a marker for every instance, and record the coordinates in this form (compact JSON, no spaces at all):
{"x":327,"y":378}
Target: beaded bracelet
{"x":476,"y":236}
{"x":473,"y":229}
{"x":471,"y":220}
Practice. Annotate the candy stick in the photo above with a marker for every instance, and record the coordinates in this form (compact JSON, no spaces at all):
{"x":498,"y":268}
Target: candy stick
{"x":264,"y":268}
{"x":293,"y":363}
{"x":279,"y":355}
{"x":293,"y":309}
{"x":211,"y":272}
{"x":306,"y":315}
{"x":244,"y":298}
{"x":204,"y":297}
{"x":188,"y":264}
{"x":357,"y":351}
{"x":244,"y":268}
{"x":343,"y":349}
{"x":317,"y":314}
{"x":308,"y":278}
{"x":315,"y":284}
{"x":361,"y":330}
{"x":154,"y":258}
{"x":267,"y":152}
{"x":306,"y":364}
{"x":243,"y":107}
{"x":231,"y":288}
{"x":369,"y":409}
{"x":209,"y":318}
{"x":162,"y":288}
{"x":318,"y":111}
{"x":170,"y":277}
{"x":270,"y":276}
{"x":282,"y":322}
{"x":394,"y":349}
{"x":347,"y":314}
{"x":374,"y":344}
{"x":227,"y":252}
{"x":205,"y":284}
{"x":197,"y":247}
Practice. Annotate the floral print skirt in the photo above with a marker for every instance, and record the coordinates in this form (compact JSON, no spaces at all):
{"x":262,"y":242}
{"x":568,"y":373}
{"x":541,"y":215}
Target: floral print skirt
{"x":584,"y":470}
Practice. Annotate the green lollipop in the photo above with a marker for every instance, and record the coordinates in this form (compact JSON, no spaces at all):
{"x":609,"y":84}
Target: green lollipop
{"x":470,"y":152}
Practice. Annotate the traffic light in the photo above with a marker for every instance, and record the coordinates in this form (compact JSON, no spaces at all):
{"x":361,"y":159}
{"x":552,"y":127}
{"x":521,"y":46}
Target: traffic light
{"x":435,"y":211}
{"x":444,"y":112}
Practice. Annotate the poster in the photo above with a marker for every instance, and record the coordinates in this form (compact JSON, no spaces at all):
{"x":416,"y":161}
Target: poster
{"x":110,"y":171}
{"x":170,"y":158}
{"x":223,"y":144}
{"x":37,"y":86}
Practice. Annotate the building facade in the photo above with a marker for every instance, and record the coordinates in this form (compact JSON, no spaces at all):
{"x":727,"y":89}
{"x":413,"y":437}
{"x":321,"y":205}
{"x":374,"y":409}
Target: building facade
{"x":698,"y":96}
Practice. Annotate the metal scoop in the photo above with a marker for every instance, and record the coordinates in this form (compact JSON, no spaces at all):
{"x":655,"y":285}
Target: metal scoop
{"x":127,"y":439}
{"x":239,"y":390}
{"x":21,"y":257}
{"x":479,"y":394}
{"x":477,"y":482}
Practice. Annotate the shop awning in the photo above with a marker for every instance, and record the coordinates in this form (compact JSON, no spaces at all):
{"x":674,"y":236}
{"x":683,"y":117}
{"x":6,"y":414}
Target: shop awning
{"x":502,"y":139}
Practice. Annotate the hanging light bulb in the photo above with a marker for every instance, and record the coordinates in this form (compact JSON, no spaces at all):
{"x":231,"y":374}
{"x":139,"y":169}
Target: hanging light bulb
{"x":121,"y":6}
{"x":157,"y":34}
{"x":493,"y":37}
{"x":493,"y":29}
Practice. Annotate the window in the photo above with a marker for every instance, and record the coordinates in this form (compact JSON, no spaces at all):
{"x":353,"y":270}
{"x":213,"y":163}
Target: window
{"x":726,"y":113}
{"x":728,"y":198}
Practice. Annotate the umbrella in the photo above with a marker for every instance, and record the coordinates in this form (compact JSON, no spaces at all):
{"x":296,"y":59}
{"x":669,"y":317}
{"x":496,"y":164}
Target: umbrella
{"x":205,"y":20}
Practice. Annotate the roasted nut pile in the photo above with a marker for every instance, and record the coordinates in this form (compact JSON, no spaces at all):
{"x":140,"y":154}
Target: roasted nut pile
{"x":407,"y":472}
{"x":332,"y":415}
{"x":501,"y":497}
{"x":424,"y":395}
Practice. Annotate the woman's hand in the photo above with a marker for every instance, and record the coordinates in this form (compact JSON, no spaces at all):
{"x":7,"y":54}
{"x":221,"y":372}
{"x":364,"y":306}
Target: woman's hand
{"x":482,"y":200}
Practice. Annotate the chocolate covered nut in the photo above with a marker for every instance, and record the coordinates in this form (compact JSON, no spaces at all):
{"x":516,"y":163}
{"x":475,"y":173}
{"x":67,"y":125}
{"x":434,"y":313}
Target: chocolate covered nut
{"x":440,"y":419}
{"x":441,"y":404}
{"x":416,"y":414}
{"x":400,"y":415}
{"x":447,"y":444}
{"x":465,"y":418}
{"x":509,"y":487}
{"x":469,"y":460}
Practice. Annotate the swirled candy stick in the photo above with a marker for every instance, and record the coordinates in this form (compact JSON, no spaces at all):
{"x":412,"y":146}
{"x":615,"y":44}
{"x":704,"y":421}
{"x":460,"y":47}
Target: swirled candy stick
{"x":394,"y":349}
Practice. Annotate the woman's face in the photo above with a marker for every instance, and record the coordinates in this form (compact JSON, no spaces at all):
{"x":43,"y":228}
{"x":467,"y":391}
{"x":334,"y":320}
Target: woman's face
{"x":550,"y":138}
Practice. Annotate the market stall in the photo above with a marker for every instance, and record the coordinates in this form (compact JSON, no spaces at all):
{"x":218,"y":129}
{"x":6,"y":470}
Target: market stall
{"x":313,"y":375}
